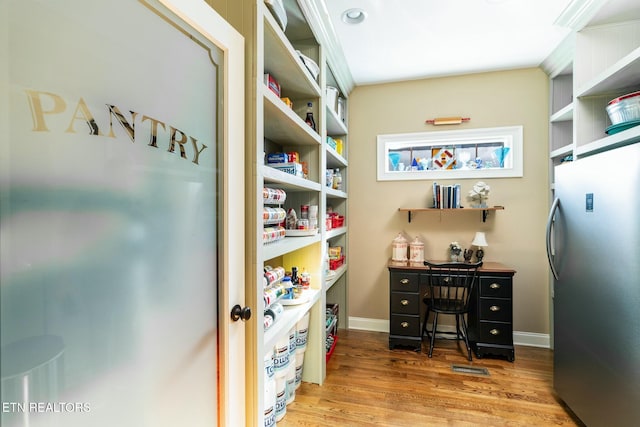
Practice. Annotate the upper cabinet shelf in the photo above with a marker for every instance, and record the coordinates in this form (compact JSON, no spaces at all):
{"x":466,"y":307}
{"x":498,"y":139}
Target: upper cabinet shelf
{"x":335,"y":126}
{"x":281,"y":60}
{"x":620,"y":139}
{"x":287,"y":181}
{"x":623,"y":74}
{"x":336,"y":194}
{"x":563,"y":115}
{"x":561,"y":152}
{"x":335,"y":160}
{"x":282,"y":124}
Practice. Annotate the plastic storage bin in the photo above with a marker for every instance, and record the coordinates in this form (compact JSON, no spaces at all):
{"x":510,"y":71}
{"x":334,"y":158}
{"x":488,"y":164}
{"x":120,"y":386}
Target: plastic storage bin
{"x":625,"y":108}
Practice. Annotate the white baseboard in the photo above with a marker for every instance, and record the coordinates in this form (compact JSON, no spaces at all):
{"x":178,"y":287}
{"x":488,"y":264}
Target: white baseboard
{"x":530,"y":339}
{"x":365,"y":324}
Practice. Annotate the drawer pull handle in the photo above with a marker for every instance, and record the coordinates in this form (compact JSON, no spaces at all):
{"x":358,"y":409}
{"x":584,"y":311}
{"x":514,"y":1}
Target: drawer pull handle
{"x":404,"y":324}
{"x":494,"y":308}
{"x":494,"y":286}
{"x":404,"y":302}
{"x":404,"y":281}
{"x":494,"y":332}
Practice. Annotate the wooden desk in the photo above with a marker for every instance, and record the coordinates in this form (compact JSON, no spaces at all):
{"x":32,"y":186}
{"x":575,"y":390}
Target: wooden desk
{"x":490,"y":318}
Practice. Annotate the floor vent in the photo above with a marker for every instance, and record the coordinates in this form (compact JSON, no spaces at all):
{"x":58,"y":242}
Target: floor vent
{"x":466,"y":369}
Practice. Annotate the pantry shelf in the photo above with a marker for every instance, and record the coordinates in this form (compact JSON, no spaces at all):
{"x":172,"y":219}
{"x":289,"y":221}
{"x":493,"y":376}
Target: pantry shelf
{"x":335,"y":160}
{"x":485,"y":211}
{"x":334,"y":275}
{"x":334,"y":232}
{"x":288,"y":181}
{"x":291,"y":315}
{"x":335,"y":126}
{"x":287,"y":245}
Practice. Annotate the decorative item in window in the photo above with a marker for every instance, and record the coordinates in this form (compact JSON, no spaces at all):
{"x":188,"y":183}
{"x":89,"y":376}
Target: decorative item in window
{"x":455,"y":250}
{"x":479,"y":194}
{"x":442,"y":158}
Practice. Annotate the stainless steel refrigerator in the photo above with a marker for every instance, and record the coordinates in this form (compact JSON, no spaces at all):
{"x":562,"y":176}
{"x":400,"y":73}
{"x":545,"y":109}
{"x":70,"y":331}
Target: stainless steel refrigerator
{"x":593,"y":243}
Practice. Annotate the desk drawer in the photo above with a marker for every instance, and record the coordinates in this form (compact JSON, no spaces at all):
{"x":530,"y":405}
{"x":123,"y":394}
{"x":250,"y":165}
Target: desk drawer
{"x":404,"y":325}
{"x":496,"y":333}
{"x":405,"y":303}
{"x":497,"y":287}
{"x":495,"y":309}
{"x":404,"y":282}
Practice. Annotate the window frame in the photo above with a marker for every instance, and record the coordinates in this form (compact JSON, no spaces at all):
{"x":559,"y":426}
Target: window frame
{"x":510,"y":136}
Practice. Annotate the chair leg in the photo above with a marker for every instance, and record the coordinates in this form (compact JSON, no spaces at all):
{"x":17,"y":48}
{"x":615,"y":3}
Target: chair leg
{"x":433,"y":333}
{"x":424,"y":325}
{"x":464,"y":334}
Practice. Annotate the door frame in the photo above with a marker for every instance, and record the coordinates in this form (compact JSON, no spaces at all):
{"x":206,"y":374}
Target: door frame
{"x":231,"y":335}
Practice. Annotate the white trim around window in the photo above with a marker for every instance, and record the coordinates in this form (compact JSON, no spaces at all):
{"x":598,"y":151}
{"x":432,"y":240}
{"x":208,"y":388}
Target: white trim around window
{"x":470,"y":153}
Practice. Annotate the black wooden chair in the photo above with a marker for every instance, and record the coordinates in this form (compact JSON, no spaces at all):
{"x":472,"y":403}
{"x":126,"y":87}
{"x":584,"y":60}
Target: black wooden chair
{"x":450,"y":287}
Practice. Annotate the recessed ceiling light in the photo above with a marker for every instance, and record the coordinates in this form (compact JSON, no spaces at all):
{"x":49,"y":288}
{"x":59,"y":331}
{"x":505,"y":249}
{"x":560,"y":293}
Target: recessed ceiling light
{"x":353,"y":16}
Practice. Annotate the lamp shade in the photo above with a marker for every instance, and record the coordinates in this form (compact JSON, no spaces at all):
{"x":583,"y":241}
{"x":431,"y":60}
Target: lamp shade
{"x":480,"y":239}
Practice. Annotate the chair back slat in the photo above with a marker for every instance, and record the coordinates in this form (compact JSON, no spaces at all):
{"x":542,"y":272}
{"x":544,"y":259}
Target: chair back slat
{"x":451,"y":285}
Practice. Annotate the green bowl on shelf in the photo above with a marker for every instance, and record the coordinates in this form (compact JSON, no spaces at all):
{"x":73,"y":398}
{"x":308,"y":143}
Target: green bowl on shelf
{"x":613,"y":129}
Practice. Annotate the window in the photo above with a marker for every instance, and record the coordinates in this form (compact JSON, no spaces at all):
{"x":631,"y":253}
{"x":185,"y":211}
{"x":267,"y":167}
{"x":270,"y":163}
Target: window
{"x":473,"y":153}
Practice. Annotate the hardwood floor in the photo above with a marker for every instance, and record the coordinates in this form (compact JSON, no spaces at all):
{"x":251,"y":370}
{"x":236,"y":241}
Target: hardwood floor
{"x":369,"y":385}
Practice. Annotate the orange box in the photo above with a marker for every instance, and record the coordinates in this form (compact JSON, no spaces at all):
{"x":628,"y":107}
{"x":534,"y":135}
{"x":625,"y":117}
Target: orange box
{"x":288,"y":102}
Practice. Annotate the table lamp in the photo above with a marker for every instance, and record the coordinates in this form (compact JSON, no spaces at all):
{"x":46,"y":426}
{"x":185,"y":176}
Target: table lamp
{"x":480,"y":241}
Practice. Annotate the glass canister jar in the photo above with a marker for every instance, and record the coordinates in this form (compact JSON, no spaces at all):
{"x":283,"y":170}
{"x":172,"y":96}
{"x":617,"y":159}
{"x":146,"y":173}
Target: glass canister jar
{"x":399,"y":249}
{"x":416,"y":251}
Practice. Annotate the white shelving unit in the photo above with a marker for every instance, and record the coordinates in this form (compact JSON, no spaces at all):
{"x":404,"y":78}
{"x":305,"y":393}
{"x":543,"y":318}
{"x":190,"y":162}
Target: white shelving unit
{"x":273,"y":126}
{"x":605,"y":64}
{"x":337,"y":200}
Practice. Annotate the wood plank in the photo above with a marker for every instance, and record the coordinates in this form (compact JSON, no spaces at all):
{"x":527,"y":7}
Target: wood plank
{"x":487,"y":266}
{"x":369,"y":385}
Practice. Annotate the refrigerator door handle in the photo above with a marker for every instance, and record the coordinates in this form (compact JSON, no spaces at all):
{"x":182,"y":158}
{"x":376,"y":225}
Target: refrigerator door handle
{"x":552,"y":212}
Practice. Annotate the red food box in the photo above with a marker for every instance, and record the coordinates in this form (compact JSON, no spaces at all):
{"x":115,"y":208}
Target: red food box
{"x":334,"y":264}
{"x":337,"y":221}
{"x":272,"y":84}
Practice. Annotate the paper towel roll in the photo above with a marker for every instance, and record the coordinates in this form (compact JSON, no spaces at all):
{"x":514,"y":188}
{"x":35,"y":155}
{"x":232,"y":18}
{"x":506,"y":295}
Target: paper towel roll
{"x":270,"y":403}
{"x":302,"y":331}
{"x":281,"y":356}
{"x":281,"y":398}
{"x":291,"y":383}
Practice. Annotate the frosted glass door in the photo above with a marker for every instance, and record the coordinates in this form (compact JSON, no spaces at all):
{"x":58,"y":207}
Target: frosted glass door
{"x":109,"y":208}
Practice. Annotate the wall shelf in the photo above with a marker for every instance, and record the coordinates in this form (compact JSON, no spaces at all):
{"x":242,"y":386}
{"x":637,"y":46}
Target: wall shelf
{"x":485,"y":211}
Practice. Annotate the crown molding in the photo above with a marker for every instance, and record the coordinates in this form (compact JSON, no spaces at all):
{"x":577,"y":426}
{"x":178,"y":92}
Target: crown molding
{"x":320,"y":23}
{"x":578,"y":13}
{"x":560,"y":60}
{"x":575,"y":17}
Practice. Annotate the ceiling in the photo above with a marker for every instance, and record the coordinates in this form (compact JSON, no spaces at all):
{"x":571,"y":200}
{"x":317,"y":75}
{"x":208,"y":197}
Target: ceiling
{"x":412,"y":39}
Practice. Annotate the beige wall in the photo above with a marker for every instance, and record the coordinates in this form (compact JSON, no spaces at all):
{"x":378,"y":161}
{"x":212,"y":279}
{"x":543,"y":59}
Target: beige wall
{"x":515,"y":235}
{"x":231,"y":10}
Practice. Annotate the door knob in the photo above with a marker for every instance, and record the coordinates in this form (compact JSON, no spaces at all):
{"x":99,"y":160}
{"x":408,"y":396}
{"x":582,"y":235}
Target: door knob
{"x":238,"y":313}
